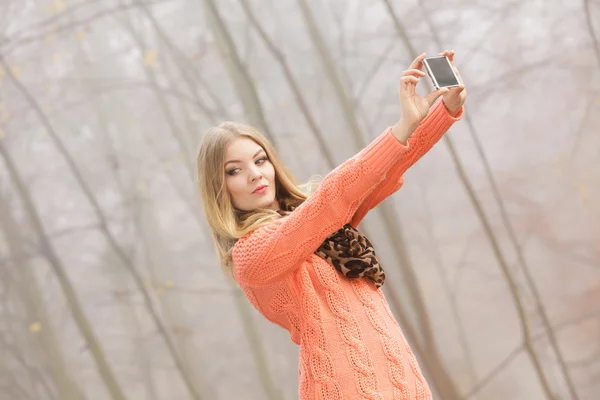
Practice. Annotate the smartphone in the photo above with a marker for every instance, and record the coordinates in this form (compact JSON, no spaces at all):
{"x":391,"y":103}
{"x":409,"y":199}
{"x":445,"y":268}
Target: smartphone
{"x":440,"y":71}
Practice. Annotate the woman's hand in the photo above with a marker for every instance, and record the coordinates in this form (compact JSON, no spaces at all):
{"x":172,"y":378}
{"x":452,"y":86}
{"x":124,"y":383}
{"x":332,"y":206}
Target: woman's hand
{"x":456,"y":96}
{"x":414,"y":106}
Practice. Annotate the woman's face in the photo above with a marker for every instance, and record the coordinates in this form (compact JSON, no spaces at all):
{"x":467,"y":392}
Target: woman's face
{"x":246,"y":169}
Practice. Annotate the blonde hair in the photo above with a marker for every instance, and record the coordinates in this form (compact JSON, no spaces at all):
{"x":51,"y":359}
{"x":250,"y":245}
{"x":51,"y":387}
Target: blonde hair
{"x":228,"y":224}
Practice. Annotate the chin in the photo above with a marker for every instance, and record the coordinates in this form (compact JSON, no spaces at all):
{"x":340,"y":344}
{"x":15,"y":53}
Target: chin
{"x":266,"y":203}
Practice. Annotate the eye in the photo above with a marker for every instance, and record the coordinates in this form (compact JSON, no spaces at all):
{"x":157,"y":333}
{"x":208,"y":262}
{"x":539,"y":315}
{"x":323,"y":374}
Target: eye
{"x":260,"y":161}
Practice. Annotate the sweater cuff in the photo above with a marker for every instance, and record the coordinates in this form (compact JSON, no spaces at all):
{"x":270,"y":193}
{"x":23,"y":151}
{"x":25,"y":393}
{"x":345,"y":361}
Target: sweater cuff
{"x":383,"y":152}
{"x":458,"y":116}
{"x":438,"y":121}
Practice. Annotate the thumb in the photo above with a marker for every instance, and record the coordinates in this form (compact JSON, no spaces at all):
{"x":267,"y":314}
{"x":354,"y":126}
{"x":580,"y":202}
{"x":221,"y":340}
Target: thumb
{"x":458,"y":89}
{"x":433,"y":96}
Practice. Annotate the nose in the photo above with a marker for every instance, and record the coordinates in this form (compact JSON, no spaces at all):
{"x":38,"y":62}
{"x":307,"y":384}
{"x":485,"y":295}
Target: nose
{"x":255,"y":173}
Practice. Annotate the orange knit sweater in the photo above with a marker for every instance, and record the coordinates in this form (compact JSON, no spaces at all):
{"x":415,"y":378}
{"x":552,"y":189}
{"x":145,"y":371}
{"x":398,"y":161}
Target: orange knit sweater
{"x":351,"y":347}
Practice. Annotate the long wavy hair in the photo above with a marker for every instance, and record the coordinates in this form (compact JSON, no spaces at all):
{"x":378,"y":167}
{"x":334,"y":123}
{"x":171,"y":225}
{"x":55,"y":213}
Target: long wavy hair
{"x":227,"y":223}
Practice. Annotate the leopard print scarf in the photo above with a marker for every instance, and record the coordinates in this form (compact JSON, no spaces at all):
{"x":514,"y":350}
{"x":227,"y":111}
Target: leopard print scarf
{"x":350,"y":252}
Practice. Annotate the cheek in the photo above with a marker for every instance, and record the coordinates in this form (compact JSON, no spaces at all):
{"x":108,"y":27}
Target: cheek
{"x":233,"y":186}
{"x":270,"y":172}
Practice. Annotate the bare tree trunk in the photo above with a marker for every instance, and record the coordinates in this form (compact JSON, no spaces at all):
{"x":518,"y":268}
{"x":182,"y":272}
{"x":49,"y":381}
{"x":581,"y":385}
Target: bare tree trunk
{"x":245,"y":88}
{"x":433,"y":362}
{"x":513,"y":287}
{"x":49,"y":347}
{"x":510,"y":279}
{"x":184,"y":147}
{"x":16,"y":343}
{"x":47,"y":249}
{"x":292,"y":82}
{"x":259,"y":355}
{"x":103,"y":224}
{"x":525,"y":268}
{"x":11,"y":386}
{"x":131,"y":319}
{"x":531,"y":284}
{"x":189,"y":72}
{"x":146,"y":227}
{"x":129,"y":313}
{"x":244,"y":85}
{"x":446,"y":284}
{"x":590,"y":27}
{"x":333,"y":74}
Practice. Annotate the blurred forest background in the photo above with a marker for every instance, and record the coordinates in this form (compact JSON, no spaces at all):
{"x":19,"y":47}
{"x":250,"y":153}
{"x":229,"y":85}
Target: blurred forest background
{"x":109,"y":283}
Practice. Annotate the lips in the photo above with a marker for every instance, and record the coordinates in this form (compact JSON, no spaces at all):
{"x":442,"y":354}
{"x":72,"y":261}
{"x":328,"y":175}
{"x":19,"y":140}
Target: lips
{"x":259,"y":188}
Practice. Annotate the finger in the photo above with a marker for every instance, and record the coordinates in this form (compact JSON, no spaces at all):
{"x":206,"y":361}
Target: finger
{"x":408,"y":84}
{"x":456,"y":91}
{"x":433,"y":96}
{"x":414,"y":72}
{"x":451,"y":57}
{"x":404,"y":90}
{"x":458,"y":75}
{"x":418,"y":62}
{"x":410,"y":79}
{"x":449,"y":54}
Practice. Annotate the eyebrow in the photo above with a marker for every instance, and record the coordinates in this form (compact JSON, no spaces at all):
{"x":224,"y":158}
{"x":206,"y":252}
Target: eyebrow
{"x":230,"y":161}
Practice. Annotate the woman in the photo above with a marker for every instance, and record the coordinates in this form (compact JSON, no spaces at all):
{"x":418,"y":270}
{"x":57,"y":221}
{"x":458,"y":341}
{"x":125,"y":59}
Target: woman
{"x":299,"y":258}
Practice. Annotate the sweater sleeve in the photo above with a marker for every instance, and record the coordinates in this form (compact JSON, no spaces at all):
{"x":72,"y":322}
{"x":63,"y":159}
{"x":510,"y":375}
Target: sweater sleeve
{"x":269,"y":253}
{"x":427,"y":134}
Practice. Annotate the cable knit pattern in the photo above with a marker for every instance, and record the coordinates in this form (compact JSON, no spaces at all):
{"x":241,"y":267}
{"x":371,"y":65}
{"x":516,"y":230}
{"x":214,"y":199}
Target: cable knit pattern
{"x":391,"y":347}
{"x":422,"y":388}
{"x":349,"y":330}
{"x":320,"y":363}
{"x":351,"y":347}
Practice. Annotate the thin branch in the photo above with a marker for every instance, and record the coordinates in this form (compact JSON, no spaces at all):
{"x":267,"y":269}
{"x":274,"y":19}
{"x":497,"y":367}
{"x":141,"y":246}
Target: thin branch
{"x":13,"y":44}
{"x":438,"y":263}
{"x":377,"y":64}
{"x":189,"y":71}
{"x":56,"y":17}
{"x":586,"y":362}
{"x":240,"y":75}
{"x":580,"y":131}
{"x":49,"y":251}
{"x":590,"y":27}
{"x":520,"y":348}
{"x":292,"y":82}
{"x":500,"y":20}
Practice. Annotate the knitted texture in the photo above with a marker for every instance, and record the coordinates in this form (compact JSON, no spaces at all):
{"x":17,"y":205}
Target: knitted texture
{"x":351,"y":347}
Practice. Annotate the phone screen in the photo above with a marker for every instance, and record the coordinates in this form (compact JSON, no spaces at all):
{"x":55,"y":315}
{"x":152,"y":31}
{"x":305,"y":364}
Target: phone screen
{"x":442,"y":71}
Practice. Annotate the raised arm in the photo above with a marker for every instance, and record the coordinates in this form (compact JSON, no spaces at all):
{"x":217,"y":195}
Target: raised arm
{"x":429,"y":132}
{"x":269,"y":253}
